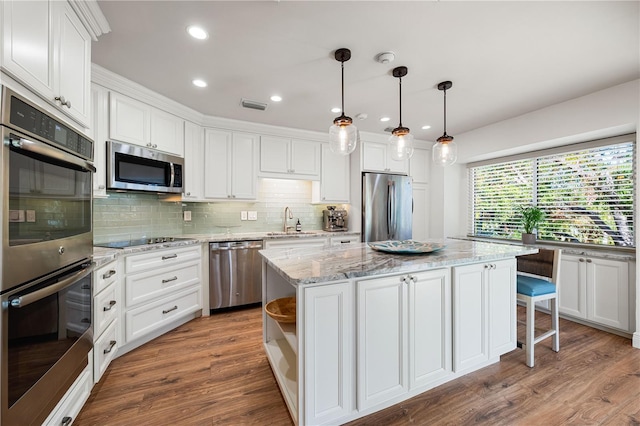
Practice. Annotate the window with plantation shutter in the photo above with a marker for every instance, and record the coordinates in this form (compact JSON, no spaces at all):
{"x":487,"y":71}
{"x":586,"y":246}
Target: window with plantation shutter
{"x":586,"y":191}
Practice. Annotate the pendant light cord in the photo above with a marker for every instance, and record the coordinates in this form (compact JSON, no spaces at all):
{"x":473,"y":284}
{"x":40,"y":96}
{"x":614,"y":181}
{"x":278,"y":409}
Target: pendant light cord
{"x":400,"y":88}
{"x":445,"y":111}
{"x":342,"y":68}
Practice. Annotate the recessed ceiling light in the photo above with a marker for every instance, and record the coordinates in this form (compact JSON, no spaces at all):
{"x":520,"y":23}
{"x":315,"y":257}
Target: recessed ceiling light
{"x":426,"y":127}
{"x":197,"y":32}
{"x":276,"y":98}
{"x":336,"y":110}
{"x":199,"y":83}
{"x":384,"y":119}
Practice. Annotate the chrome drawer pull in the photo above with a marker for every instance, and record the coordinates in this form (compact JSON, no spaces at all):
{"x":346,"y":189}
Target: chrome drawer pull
{"x":168,"y":280}
{"x":171,"y":256}
{"x":66,"y":421}
{"x":111,"y":305}
{"x":170,"y":309}
{"x":108,"y":274}
{"x":112,"y":343}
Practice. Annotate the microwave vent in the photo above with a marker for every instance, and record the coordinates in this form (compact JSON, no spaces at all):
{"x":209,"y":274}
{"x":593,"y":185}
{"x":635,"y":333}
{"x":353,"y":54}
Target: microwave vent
{"x":254,"y":105}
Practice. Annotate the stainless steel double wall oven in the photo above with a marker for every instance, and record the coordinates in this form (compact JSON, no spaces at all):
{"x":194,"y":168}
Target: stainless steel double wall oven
{"x":47,"y":244}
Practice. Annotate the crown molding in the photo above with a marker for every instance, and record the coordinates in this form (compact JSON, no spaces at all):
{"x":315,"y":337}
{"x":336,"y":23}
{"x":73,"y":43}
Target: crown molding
{"x":91,"y":17}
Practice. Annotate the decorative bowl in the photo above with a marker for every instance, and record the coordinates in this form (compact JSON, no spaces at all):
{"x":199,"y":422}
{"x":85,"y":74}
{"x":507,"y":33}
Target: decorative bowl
{"x":282,"y":310}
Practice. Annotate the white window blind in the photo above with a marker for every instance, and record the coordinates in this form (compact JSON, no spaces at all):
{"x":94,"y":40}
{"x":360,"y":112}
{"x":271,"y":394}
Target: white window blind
{"x":587,"y":195}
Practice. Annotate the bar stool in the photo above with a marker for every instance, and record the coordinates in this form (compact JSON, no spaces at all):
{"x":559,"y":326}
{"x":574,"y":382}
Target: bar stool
{"x":538,"y":278}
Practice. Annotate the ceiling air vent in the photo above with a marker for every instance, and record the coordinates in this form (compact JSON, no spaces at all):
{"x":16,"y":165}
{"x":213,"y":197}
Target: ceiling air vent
{"x":254,"y":105}
{"x":388,"y":129}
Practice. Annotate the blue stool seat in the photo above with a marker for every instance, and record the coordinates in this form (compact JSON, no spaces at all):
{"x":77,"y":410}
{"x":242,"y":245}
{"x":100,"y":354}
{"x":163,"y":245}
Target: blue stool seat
{"x":532,"y":287}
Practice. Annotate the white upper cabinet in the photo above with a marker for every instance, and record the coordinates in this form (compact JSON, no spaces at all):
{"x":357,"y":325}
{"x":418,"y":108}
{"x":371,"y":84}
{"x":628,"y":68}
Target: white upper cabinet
{"x":289,"y":158}
{"x":230,"y":165}
{"x":193,"y":162}
{"x":100,"y":129}
{"x":333,"y":186}
{"x":47,"y":48}
{"x":419,"y":165}
{"x":135,"y":122}
{"x":376,"y":157}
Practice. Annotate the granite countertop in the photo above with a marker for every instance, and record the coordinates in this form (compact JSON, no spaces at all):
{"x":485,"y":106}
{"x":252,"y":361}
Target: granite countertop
{"x":307,"y":265}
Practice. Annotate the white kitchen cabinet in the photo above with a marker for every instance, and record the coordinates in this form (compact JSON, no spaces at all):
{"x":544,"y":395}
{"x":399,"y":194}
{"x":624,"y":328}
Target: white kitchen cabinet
{"x":335,"y":176}
{"x":292,"y":243}
{"x":141,"y":124}
{"x":289,"y":158}
{"x":420,"y":219}
{"x":47,"y":48}
{"x":596,"y":290}
{"x":193,"y":162}
{"x":100,"y":135}
{"x":419,"y":165}
{"x":328,"y":322}
{"x":72,"y":402}
{"x":485,"y":299}
{"x":342,"y":240}
{"x":106,"y":312}
{"x":376,"y":157}
{"x":230,"y":165}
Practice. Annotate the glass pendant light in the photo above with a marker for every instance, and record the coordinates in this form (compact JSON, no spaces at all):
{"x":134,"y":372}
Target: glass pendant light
{"x":343,"y":135}
{"x":401,"y":140}
{"x":445,"y":151}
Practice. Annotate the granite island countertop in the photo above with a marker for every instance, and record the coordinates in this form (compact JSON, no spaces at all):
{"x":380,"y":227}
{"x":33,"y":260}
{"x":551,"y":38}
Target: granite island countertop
{"x":314,"y":265}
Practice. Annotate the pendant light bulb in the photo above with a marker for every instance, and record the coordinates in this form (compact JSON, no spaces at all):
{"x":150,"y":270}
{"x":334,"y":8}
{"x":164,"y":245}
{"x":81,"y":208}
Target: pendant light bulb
{"x":401,"y":141}
{"x":445,"y":150}
{"x":343,"y":135}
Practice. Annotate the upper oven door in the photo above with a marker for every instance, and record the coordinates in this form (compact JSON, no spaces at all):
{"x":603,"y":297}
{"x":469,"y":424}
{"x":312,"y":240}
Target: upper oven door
{"x":46,"y":208}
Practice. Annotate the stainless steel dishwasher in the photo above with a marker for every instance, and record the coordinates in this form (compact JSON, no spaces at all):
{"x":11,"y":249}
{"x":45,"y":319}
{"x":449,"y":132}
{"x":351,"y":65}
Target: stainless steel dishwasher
{"x":235,"y":274}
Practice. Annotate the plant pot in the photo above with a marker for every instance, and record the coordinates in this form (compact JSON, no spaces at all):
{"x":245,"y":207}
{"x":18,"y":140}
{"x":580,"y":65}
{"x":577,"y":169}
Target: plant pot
{"x":528,"y":239}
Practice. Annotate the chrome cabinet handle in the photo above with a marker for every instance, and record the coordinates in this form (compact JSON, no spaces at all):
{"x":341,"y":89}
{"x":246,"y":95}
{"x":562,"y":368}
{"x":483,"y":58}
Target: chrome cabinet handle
{"x":168,"y":280}
{"x":111,"y":305}
{"x":112,"y":343}
{"x":589,"y":260}
{"x":66,"y":421}
{"x":109,"y":274}
{"x":171,"y":256}
{"x":581,"y":260}
{"x":63,"y":101}
{"x":170,"y":309}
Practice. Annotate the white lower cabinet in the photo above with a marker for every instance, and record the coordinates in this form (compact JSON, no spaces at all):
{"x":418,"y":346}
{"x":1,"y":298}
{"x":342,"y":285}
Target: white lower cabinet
{"x":328,"y":319}
{"x":71,"y":403}
{"x":403,"y":335}
{"x":312,"y":242}
{"x":484,"y":295}
{"x":596,"y":290}
{"x":342,"y":240}
{"x":106,"y":310}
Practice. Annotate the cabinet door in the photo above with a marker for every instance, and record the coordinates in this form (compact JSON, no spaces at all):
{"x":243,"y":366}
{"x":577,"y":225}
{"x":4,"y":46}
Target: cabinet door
{"x":470,"y":328}
{"x":217,"y":153}
{"x":129,"y":120}
{"x":501,"y":289}
{"x":429,"y":327}
{"x":608,"y":292}
{"x":305,"y":158}
{"x":100,"y":111}
{"x":396,"y":166}
{"x":194,"y":162}
{"x":167,"y":132}
{"x":334,"y":178}
{"x":572,"y":288}
{"x":243,"y":168}
{"x":27,"y":48}
{"x":382,"y":340}
{"x":274,"y":154}
{"x":328,"y":340}
{"x":73,"y":70}
{"x":419,"y":165}
{"x":420,"y":229}
{"x":374,"y":156}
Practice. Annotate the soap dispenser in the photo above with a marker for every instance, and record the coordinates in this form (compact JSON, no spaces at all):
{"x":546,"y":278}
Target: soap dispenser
{"x":298,"y":226}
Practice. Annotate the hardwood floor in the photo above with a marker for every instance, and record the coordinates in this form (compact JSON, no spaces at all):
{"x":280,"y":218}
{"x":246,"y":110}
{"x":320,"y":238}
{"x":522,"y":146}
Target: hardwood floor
{"x":213,"y":371}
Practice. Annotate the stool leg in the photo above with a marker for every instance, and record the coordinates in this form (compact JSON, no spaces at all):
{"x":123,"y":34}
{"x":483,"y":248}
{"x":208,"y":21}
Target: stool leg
{"x":555,"y":323}
{"x":531,"y":315}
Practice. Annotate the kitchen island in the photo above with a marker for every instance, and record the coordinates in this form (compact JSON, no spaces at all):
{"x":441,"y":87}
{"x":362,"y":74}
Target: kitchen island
{"x":373,"y":329}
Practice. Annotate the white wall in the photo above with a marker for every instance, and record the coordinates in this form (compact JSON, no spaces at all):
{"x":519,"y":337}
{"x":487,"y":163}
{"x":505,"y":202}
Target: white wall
{"x":610,"y":112}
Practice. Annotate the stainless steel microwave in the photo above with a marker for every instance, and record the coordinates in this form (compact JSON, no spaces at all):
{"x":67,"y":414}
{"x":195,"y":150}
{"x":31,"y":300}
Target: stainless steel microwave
{"x":136,"y":168}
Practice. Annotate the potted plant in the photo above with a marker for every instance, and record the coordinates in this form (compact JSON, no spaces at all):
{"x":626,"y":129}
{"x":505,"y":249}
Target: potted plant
{"x":531,"y":218}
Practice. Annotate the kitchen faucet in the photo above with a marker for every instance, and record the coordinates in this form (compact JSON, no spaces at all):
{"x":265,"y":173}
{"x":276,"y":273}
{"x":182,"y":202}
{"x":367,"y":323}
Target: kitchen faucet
{"x":286,"y":228}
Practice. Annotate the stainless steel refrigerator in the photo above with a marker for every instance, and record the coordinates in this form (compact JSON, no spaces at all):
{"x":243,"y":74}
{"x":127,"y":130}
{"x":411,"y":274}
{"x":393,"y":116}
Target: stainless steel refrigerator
{"x":387,"y":207}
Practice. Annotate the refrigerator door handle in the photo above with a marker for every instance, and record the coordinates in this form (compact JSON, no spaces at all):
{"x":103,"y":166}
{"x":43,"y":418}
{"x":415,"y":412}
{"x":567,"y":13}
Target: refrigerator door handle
{"x":388,"y":210}
{"x":391,"y":213}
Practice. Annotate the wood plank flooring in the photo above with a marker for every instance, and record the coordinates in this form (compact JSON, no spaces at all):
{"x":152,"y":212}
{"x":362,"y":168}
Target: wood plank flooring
{"x":213,"y":371}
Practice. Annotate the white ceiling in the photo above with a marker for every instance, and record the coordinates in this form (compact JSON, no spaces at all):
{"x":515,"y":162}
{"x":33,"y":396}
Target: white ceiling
{"x":504,"y":58}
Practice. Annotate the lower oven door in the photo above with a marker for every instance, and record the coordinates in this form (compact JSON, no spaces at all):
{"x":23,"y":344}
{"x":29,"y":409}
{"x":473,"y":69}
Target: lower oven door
{"x":46,"y":338}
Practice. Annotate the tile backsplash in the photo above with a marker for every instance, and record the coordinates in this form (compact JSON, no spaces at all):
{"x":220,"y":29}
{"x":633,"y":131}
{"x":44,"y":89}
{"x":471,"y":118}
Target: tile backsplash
{"x":125,"y":216}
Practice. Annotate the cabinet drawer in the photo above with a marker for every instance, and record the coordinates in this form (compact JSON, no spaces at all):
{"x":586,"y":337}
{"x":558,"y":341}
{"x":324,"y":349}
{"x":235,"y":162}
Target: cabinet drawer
{"x":145,"y":319}
{"x":346,"y":239}
{"x":104,"y":350}
{"x":106,"y":275}
{"x":151,"y":285}
{"x":105,"y":308}
{"x":160,"y":258}
{"x":73,"y":400}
